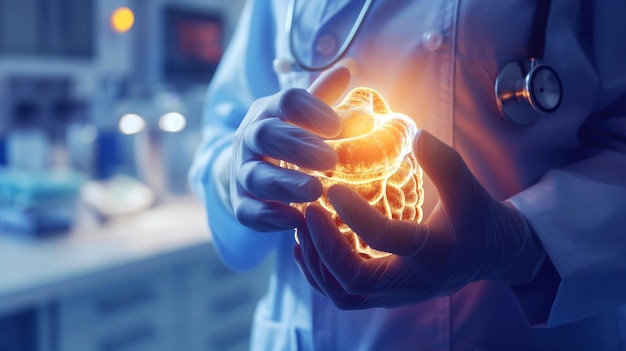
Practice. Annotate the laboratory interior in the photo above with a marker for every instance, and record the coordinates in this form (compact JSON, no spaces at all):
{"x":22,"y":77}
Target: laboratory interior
{"x":103,"y":246}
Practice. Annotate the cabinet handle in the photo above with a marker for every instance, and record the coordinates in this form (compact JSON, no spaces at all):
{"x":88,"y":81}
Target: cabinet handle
{"x":129,"y":337}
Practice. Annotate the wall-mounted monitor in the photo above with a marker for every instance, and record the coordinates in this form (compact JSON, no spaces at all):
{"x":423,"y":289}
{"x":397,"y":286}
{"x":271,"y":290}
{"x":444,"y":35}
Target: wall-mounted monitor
{"x":193,"y":45}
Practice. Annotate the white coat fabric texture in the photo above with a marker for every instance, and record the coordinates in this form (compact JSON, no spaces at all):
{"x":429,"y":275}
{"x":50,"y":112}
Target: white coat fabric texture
{"x":566,"y":173}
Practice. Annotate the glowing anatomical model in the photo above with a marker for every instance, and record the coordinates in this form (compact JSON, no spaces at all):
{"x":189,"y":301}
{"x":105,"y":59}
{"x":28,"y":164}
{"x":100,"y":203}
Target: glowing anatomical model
{"x":376,"y":159}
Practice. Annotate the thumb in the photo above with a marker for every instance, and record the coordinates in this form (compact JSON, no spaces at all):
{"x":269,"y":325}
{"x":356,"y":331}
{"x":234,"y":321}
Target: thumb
{"x":331,"y":84}
{"x":403,"y":238}
{"x":444,"y":166}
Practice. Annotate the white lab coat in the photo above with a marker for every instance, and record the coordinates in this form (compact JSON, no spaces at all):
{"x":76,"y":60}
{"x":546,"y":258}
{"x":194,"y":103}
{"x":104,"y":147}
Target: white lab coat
{"x":566,"y":173}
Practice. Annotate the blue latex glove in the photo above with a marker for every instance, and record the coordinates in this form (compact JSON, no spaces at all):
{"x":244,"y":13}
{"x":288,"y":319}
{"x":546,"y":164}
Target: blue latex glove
{"x":289,"y":126}
{"x":469,"y":236}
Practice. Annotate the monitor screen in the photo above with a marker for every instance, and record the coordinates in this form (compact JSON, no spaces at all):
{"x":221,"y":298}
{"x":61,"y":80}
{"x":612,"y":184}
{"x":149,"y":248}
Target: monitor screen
{"x":193,"y":45}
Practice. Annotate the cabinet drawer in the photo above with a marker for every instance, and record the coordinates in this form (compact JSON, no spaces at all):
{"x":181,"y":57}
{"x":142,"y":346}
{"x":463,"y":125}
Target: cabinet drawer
{"x":148,"y":297}
{"x":210,"y":296}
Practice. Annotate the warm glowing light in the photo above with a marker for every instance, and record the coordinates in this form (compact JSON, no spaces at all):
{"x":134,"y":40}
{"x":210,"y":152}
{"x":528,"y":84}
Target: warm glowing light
{"x":376,"y":159}
{"x":122,"y":19}
{"x":131,"y":123}
{"x":172,"y":122}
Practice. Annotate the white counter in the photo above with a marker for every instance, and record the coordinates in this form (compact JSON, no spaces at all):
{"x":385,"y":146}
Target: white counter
{"x":31,"y":270}
{"x":150,"y":281}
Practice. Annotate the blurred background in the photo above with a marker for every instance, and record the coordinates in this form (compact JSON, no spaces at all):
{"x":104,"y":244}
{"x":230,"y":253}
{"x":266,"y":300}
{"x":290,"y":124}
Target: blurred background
{"x":102,"y":245}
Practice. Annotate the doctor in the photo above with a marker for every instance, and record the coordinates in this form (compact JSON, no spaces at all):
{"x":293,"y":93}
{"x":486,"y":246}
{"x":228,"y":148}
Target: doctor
{"x":523,"y":246}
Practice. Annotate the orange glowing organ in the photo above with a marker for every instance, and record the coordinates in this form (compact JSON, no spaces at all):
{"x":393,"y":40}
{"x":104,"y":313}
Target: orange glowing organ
{"x":376,"y":159}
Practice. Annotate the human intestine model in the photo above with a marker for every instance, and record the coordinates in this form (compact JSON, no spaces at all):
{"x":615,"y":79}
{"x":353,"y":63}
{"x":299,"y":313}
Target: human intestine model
{"x":376,"y":159}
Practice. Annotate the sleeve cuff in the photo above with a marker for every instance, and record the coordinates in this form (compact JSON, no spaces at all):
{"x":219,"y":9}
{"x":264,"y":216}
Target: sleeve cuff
{"x":535,"y":298}
{"x":578,"y":220}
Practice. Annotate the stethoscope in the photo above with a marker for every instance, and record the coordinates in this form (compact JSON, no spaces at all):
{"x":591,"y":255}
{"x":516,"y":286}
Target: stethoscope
{"x":285,"y":65}
{"x":525,"y":89}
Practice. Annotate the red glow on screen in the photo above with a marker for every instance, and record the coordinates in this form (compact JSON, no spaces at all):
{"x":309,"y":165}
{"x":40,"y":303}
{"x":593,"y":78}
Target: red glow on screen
{"x":200,"y":40}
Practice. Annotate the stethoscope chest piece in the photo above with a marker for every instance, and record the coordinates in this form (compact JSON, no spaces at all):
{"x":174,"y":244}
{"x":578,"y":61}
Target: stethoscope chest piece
{"x":525,"y":92}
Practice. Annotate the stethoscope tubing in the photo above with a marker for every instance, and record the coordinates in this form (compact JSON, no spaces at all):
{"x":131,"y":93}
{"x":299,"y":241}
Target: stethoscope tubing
{"x":356,"y":27}
{"x":524,"y":109}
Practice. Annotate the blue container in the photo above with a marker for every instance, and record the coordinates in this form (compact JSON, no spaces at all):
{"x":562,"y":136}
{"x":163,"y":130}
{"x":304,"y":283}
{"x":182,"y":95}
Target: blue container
{"x":3,"y":150}
{"x":107,"y":154}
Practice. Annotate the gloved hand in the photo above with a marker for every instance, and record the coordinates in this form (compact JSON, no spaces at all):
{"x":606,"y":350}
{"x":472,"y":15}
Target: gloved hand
{"x":290,"y":126}
{"x":469,"y":236}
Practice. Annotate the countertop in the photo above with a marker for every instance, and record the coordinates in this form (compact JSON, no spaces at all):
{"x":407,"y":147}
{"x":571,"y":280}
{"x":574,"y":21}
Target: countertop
{"x":33,"y":270}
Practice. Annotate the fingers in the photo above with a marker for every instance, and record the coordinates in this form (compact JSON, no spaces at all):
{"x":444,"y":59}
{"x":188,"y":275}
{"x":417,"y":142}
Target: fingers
{"x":331,"y":84}
{"x":298,"y":256}
{"x":273,"y":138}
{"x":446,"y":168}
{"x":316,"y":272}
{"x":286,"y":126}
{"x":330,"y":242}
{"x":266,"y":216}
{"x":265,"y":134}
{"x":294,"y":142}
{"x":304,"y":110}
{"x":269,"y":182}
{"x":402,"y":238}
{"x":355,"y":274}
{"x":328,"y":263}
